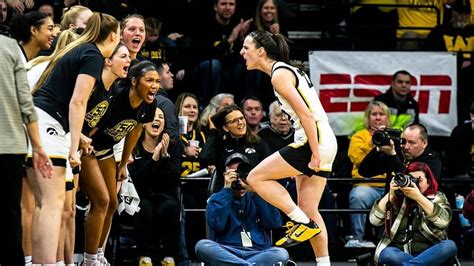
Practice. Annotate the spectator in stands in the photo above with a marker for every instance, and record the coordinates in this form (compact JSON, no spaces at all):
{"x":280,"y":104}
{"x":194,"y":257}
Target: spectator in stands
{"x":20,"y":6}
{"x":254,"y":113}
{"x":460,"y":149}
{"x":411,"y":147}
{"x":278,"y":134}
{"x":414,"y":18}
{"x":403,"y":108}
{"x":168,"y":107}
{"x":231,"y":134}
{"x":374,"y":27}
{"x":363,"y":195}
{"x":457,"y":36}
{"x":468,"y":207}
{"x":240,"y":222}
{"x":133,"y":34}
{"x":453,"y":36}
{"x":16,"y":110}
{"x":187,"y":105}
{"x":4,"y":18}
{"x":194,"y":194}
{"x":47,"y":9}
{"x":416,"y":217}
{"x":219,"y":65}
{"x":266,"y":17}
{"x":157,"y":222}
{"x":33,"y":31}
{"x":155,"y":46}
{"x":217,"y":102}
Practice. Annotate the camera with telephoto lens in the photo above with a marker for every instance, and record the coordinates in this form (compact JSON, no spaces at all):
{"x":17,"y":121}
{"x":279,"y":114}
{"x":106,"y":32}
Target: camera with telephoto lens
{"x":382,"y":137}
{"x":404,"y":180}
{"x":242,"y":171}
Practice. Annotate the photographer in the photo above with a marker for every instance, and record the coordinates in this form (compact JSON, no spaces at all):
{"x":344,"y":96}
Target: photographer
{"x":416,"y":217}
{"x":239,"y":223}
{"x":412,"y":146}
{"x":363,"y":195}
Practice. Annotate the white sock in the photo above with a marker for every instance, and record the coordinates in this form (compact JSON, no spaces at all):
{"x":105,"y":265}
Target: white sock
{"x":60,"y":263}
{"x":90,"y":257}
{"x":323,"y":261}
{"x":70,"y":264}
{"x":100,"y":253}
{"x":298,"y":216}
{"x":28,"y":259}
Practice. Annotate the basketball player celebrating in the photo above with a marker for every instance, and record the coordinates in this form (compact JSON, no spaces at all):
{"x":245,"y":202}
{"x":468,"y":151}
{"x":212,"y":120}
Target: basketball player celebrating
{"x":311,"y":155}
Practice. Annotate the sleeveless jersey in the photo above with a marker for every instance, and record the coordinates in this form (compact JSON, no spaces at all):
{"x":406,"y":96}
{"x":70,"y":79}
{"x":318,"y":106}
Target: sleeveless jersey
{"x":309,"y":95}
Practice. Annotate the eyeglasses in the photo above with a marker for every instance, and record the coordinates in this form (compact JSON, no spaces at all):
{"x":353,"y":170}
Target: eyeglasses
{"x":236,"y":120}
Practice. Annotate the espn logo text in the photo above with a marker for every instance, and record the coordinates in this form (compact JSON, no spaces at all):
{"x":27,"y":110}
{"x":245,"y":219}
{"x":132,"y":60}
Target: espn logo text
{"x":341,"y":92}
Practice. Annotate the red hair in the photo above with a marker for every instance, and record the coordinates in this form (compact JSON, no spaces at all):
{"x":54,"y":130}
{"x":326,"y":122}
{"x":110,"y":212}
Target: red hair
{"x":425,"y":168}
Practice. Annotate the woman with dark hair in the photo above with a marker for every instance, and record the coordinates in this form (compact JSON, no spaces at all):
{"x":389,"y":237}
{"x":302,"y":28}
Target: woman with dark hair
{"x":33,"y":31}
{"x":158,"y":218}
{"x":60,"y":98}
{"x":132,"y":105}
{"x":416,"y":217}
{"x":311,"y":155}
{"x":229,"y":134}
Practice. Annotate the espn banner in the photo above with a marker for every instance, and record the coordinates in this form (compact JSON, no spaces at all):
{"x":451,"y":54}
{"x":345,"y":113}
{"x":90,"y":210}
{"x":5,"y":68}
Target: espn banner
{"x":348,"y":81}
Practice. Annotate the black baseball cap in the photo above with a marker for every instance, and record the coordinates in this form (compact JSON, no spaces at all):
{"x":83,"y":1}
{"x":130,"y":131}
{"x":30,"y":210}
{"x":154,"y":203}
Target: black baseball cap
{"x":461,"y":6}
{"x":236,"y":156}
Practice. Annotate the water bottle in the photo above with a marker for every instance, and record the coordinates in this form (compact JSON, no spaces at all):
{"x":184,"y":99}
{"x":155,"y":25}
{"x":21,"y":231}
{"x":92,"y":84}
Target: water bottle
{"x":459,"y":204}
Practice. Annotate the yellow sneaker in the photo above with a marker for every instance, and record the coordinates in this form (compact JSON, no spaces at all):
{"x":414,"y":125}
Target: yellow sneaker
{"x":168,"y":261}
{"x":145,"y":261}
{"x":298,"y":233}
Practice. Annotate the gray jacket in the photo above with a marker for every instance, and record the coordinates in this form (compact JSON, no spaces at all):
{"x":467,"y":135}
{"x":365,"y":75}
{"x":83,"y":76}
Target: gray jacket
{"x":16,"y":103}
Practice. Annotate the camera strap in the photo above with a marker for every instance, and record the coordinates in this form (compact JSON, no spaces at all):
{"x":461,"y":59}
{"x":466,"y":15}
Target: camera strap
{"x":392,"y":225}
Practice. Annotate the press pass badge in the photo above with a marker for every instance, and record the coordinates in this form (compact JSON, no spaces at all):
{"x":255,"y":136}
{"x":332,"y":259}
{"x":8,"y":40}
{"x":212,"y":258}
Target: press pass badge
{"x":246,"y":239}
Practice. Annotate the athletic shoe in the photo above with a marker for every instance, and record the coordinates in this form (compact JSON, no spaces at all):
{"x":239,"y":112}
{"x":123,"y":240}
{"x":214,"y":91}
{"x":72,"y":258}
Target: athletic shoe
{"x":168,"y":261}
{"x":103,"y":261}
{"x":297,"y":233}
{"x":145,"y":261}
{"x":356,"y":243}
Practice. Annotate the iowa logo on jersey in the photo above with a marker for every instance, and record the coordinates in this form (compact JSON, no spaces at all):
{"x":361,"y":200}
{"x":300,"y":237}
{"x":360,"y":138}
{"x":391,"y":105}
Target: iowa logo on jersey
{"x":93,"y":116}
{"x":120,"y":130}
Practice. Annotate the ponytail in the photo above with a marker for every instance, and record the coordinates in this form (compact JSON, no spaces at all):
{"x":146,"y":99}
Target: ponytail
{"x":98,"y":28}
{"x":274,"y":44}
{"x":70,"y":15}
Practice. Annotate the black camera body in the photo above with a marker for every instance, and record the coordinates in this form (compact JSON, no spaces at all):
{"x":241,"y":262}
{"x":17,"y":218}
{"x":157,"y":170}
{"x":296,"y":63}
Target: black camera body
{"x":382,"y":137}
{"x":405,"y":180}
{"x":242,"y":171}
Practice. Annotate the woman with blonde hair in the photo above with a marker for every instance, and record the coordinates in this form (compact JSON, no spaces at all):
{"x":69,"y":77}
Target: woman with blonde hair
{"x":363,"y":195}
{"x":60,"y":97}
{"x":75,"y":17}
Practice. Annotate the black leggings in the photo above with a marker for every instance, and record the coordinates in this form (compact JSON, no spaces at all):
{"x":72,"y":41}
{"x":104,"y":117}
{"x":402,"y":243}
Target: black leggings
{"x":158,"y":219}
{"x":11,"y":251}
